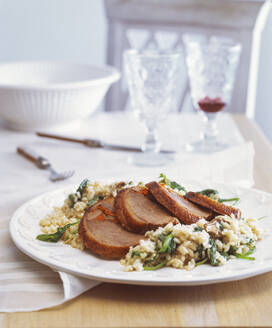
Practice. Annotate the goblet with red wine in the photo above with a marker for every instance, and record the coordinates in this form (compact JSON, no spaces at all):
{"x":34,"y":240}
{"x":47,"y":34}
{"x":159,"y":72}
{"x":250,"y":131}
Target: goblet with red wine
{"x":212,"y":65}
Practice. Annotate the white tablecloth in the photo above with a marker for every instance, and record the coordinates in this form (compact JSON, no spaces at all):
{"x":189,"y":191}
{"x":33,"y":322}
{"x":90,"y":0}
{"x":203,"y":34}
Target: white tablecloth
{"x":26,"y":285}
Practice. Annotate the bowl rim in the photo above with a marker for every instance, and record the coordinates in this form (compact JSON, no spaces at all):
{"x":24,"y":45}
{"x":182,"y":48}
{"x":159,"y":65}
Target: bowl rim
{"x":112,"y":76}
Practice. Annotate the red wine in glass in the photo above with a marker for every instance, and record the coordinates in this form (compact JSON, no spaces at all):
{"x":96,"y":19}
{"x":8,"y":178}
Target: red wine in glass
{"x":211,"y":105}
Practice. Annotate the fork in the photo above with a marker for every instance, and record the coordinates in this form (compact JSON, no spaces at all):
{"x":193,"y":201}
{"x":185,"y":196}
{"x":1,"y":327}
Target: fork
{"x":44,"y":164}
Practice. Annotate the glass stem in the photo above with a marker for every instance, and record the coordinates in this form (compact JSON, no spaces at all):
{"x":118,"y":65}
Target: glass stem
{"x":210,"y":129}
{"x":151,"y":144}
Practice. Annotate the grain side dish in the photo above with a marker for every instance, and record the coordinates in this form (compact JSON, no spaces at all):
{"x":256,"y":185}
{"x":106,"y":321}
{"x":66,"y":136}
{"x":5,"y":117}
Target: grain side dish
{"x":186,"y":246}
{"x":213,"y":241}
{"x":73,"y":208}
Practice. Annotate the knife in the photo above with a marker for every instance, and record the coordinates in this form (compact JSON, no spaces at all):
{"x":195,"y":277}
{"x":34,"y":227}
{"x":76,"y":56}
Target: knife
{"x":95,"y":143}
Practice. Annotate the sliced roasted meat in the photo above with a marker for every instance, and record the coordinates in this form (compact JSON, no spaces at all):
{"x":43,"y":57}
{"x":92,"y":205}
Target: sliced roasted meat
{"x":137,"y":212}
{"x":186,"y":211}
{"x":119,"y":210}
{"x":212,"y":204}
{"x":103,"y":235}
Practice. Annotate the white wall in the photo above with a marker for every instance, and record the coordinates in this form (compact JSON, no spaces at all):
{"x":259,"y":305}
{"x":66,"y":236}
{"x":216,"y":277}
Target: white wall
{"x":260,"y":87}
{"x":53,"y":29}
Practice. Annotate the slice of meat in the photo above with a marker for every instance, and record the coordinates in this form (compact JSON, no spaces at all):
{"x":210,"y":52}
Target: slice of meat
{"x":119,"y":210}
{"x":106,"y":205}
{"x":138,"y":213}
{"x":120,"y":207}
{"x":212,"y":204}
{"x":183,"y":209}
{"x":103,"y":235}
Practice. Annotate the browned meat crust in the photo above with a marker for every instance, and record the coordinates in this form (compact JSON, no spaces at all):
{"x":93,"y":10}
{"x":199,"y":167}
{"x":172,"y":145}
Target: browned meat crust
{"x":119,"y":210}
{"x":183,"y":209}
{"x":136,"y":212}
{"x":215,"y":206}
{"x":103,"y":235}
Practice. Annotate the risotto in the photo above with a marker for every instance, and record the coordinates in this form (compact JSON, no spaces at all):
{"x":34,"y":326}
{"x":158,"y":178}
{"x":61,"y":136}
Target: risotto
{"x":186,"y":246}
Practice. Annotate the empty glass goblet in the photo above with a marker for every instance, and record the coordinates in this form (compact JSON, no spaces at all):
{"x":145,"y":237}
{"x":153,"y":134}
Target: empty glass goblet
{"x":212,"y":65}
{"x":152,"y":82}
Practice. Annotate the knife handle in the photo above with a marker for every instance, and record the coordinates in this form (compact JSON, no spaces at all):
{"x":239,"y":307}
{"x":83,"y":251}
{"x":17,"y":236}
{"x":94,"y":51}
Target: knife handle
{"x":29,"y":154}
{"x":54,"y":136}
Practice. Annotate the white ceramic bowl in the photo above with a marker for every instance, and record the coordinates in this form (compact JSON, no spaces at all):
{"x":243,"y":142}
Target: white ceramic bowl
{"x":51,"y":95}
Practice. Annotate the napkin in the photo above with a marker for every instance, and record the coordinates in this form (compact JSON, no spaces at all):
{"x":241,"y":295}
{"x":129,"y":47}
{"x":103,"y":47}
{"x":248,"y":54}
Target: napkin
{"x":26,"y":285}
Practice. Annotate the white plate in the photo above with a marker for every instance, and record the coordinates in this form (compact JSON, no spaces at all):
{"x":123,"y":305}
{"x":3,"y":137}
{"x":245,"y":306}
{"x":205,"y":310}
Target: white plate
{"x":24,"y":227}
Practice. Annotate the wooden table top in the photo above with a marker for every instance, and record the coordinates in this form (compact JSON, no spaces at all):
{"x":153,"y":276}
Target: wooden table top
{"x":242,"y":303}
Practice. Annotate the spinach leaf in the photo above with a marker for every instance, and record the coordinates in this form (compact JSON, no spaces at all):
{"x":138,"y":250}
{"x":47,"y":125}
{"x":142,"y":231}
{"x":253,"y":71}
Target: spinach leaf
{"x":135,"y":253}
{"x":202,"y":262}
{"x":251,"y":250}
{"x":79,"y":193}
{"x":221,"y":227}
{"x":175,"y":185}
{"x":250,"y":242}
{"x":199,"y":251}
{"x":172,"y":248}
{"x":212,"y":253}
{"x":82,"y":186}
{"x":244,"y":257}
{"x":55,"y":237}
{"x":224,"y":200}
{"x":169,"y":245}
{"x":226,"y":255}
{"x":198,"y":229}
{"x":171,"y":184}
{"x":232,"y":250}
{"x":73,"y":199}
{"x":212,"y":193}
{"x":162,"y":237}
{"x":158,"y":266}
{"x":163,"y":179}
{"x":94,"y":200}
{"x":166,"y":244}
